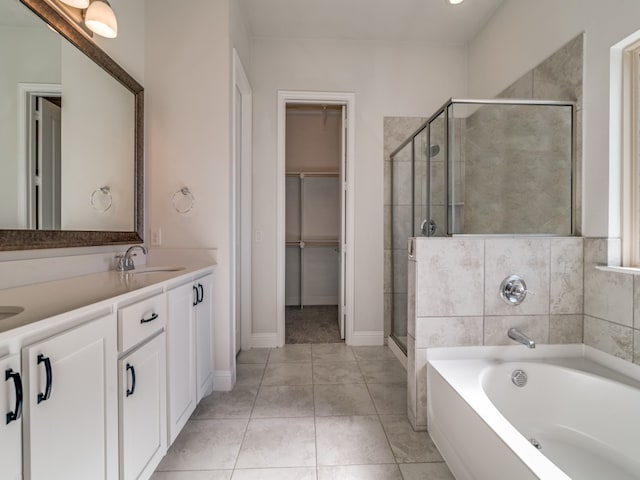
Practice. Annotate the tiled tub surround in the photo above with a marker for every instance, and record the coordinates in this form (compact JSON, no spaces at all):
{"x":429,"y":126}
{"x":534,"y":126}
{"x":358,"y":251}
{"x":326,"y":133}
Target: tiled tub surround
{"x":454,"y":300}
{"x":611,"y":303}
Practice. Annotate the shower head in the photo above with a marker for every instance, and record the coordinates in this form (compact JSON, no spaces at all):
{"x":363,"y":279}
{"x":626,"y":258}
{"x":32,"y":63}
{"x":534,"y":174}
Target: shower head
{"x":434,"y":150}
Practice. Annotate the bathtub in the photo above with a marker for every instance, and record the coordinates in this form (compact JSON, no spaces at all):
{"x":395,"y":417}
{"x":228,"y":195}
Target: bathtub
{"x":577,"y":417}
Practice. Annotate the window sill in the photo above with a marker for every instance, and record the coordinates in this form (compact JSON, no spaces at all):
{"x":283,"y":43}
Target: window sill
{"x":614,"y":269}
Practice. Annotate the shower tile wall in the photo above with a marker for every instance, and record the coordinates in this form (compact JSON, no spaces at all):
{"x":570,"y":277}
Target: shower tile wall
{"x":455,"y":286}
{"x":559,"y":77}
{"x":396,"y":130}
{"x":518,"y":170}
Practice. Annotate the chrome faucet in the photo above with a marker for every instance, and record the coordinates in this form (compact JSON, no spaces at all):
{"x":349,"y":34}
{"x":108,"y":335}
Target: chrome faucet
{"x":125,"y":262}
{"x":518,"y":336}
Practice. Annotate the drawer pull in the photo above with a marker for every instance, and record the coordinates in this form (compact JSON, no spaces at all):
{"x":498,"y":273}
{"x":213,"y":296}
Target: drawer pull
{"x":196,"y":296}
{"x":49,"y":372}
{"x":150,"y":319}
{"x":131,"y":390}
{"x":201,"y":297}
{"x":17,"y":382}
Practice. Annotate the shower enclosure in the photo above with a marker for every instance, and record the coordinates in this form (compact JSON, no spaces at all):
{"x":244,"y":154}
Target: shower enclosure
{"x":482,"y":167}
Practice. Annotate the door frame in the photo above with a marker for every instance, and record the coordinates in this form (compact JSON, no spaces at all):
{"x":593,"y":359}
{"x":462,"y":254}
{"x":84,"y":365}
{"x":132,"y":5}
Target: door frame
{"x":27,"y":96}
{"x":241,"y":173}
{"x":348,"y":99}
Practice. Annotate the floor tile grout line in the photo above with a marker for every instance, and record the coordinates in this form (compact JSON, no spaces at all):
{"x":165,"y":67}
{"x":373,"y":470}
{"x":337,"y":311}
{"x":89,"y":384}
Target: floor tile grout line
{"x":315,"y":422}
{"x":253,"y":406}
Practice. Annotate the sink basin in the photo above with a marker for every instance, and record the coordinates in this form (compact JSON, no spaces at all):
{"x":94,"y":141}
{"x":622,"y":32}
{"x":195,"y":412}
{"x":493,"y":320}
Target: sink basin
{"x":143,"y":270}
{"x":8,"y":312}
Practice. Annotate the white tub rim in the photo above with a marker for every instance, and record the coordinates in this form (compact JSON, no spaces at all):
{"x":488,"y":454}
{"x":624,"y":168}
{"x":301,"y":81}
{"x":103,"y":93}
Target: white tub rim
{"x":534,"y":460}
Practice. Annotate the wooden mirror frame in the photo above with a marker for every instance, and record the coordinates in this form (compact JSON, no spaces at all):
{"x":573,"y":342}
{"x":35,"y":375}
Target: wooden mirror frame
{"x":42,"y":239}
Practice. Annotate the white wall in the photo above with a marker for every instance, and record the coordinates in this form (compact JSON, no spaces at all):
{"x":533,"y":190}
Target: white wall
{"x":389,"y":79}
{"x":96,"y":109}
{"x":27,"y":55}
{"x":188,"y":107}
{"x":523,"y":33}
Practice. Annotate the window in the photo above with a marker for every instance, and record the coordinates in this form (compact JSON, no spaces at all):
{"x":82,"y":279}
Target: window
{"x":630,"y":154}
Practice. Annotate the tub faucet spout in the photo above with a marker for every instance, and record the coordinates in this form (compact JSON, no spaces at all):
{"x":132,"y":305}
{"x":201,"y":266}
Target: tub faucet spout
{"x":518,"y":336}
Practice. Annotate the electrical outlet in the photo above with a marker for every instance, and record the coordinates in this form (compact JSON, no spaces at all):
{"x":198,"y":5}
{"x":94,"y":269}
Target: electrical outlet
{"x":258,"y":236}
{"x":156,"y":237}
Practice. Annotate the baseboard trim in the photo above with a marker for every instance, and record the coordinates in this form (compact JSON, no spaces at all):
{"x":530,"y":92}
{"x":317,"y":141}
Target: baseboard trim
{"x":365,"y":339}
{"x":223,"y":380}
{"x":264,"y":340}
{"x":391,"y":343}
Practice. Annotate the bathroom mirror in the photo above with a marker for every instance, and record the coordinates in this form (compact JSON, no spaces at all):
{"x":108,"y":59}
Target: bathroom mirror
{"x":71,"y":136}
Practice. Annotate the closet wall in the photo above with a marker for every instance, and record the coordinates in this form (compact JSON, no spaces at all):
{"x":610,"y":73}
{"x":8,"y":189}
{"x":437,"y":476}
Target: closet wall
{"x":312,"y":205}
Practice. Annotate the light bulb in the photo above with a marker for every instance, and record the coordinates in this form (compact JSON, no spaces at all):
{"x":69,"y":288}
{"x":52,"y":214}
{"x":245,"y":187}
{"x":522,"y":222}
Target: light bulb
{"x":100,"y":19}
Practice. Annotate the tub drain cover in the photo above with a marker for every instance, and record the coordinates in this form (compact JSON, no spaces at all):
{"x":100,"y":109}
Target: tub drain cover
{"x":519,"y":378}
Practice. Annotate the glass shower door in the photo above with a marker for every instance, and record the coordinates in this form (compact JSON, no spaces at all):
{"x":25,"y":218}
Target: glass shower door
{"x":421,"y":222}
{"x":402,"y":228}
{"x":436,"y":183}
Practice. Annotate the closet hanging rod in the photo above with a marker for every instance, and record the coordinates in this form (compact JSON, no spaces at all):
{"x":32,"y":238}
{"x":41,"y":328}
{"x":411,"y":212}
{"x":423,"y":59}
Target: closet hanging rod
{"x":310,"y":244}
{"x":313,"y":174}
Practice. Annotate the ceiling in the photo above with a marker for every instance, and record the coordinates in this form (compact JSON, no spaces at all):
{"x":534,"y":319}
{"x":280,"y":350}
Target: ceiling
{"x":418,"y":20}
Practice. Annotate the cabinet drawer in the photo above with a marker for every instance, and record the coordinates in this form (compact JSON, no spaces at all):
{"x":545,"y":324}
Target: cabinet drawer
{"x":141,"y":320}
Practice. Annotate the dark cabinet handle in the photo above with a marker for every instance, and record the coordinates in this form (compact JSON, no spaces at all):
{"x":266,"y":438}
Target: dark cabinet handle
{"x":150,"y":319}
{"x":17,"y":382}
{"x":47,"y":368}
{"x":133,"y":380}
{"x":195,"y":296}
{"x":201,"y":297}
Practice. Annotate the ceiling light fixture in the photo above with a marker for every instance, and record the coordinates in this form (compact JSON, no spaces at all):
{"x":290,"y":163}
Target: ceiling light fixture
{"x":82,"y":4}
{"x":100,"y":19}
{"x":455,"y":2}
{"x":90,"y":16}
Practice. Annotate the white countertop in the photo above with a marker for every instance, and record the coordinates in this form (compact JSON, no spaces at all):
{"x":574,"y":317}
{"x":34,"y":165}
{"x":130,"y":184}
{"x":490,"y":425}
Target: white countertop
{"x":45,"y":300}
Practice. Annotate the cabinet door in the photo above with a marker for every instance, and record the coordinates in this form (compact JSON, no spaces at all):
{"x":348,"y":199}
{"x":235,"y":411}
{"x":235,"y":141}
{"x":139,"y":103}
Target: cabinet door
{"x":11,"y":399}
{"x":204,"y":336}
{"x":181,"y":368}
{"x":71,"y":404}
{"x":143,"y":415}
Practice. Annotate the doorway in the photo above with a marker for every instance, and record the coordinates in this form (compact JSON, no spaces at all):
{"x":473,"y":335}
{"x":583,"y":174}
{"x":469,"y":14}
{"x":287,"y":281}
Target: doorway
{"x":39,"y":172}
{"x":315,"y":171}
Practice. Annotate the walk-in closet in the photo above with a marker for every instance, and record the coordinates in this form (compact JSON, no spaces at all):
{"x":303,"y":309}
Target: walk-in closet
{"x":314,"y":199}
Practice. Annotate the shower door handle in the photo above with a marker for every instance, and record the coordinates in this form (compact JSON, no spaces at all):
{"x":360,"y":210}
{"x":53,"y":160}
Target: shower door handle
{"x":428,"y":228}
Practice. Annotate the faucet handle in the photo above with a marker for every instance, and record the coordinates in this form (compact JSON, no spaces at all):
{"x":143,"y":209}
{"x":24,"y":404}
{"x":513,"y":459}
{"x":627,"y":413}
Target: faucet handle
{"x":119,"y":263}
{"x":513,"y":290}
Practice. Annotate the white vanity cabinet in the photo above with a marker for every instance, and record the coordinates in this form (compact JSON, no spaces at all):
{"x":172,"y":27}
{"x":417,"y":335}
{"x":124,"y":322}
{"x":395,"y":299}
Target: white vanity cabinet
{"x":189,"y":350}
{"x":11,"y":406}
{"x":143,"y":416}
{"x":70,"y":404}
{"x":142,"y":386}
{"x":181,"y":360}
{"x":204,"y":336}
{"x":101,"y":372}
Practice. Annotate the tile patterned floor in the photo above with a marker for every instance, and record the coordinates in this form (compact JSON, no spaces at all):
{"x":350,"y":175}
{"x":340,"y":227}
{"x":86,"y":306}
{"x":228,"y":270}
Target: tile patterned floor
{"x":306,"y":412}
